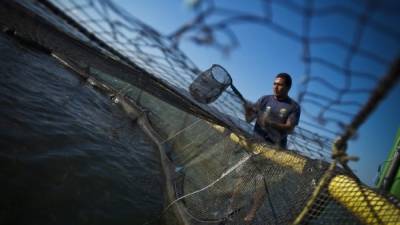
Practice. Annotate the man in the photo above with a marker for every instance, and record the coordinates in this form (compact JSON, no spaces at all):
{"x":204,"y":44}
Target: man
{"x":276,"y":115}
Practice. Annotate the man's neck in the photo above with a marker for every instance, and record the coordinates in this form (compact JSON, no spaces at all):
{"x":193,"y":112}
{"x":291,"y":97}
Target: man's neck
{"x":281,"y":98}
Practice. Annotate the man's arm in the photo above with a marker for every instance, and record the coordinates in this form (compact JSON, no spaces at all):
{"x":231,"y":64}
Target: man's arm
{"x":287,"y":127}
{"x":250,"y":111}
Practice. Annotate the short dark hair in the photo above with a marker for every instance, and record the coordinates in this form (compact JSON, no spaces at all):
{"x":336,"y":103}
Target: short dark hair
{"x":286,"y":77}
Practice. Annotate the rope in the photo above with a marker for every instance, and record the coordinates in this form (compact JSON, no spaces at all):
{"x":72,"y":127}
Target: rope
{"x":382,"y":89}
{"x":180,"y":131}
{"x":317,"y":191}
{"x":224,"y":174}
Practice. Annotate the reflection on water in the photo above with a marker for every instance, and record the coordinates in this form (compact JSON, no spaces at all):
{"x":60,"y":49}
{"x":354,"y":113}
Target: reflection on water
{"x":67,"y":155}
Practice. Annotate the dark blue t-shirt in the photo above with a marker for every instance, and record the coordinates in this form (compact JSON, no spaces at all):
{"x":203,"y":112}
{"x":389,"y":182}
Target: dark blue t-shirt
{"x":279,"y":111}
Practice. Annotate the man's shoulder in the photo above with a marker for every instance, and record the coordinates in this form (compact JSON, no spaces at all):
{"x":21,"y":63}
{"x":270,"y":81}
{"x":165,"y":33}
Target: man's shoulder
{"x":271,"y":98}
{"x":294,"y":103}
{"x":266,"y":97}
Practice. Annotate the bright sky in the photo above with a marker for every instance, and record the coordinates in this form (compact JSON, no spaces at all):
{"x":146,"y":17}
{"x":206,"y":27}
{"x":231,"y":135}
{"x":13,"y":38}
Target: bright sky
{"x":264,"y":53}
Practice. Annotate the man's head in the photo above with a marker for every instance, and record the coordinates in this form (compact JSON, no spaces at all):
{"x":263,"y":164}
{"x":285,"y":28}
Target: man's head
{"x":282,"y":85}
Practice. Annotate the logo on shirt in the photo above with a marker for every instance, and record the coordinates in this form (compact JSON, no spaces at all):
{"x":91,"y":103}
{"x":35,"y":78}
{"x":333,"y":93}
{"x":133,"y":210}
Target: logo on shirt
{"x":267,"y":110}
{"x":282,"y":112}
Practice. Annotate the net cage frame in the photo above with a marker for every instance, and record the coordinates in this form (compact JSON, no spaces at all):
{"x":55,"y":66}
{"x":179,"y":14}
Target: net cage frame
{"x":369,"y":205}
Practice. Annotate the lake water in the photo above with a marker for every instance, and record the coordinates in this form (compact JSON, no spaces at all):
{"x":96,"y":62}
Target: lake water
{"x":68,"y":155}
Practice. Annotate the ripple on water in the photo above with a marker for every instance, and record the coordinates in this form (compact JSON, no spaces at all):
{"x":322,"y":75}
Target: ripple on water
{"x":69,"y":156}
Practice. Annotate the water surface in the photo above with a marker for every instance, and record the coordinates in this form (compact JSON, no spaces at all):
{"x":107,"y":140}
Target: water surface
{"x":67,"y":154}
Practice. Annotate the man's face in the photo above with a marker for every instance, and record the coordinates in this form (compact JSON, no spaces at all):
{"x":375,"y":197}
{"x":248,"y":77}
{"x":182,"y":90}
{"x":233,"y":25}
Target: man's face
{"x":280,"y":88}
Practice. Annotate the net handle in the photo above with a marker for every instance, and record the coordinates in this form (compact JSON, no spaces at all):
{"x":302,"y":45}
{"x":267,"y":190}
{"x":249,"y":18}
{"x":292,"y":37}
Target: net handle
{"x":237,"y":92}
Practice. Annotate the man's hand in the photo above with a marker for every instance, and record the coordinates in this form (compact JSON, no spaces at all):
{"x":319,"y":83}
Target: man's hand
{"x":248,"y":106}
{"x":250,"y":111}
{"x":264,"y":120}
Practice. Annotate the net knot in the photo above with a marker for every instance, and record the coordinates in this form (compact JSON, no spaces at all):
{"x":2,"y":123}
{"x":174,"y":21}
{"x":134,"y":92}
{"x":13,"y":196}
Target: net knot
{"x":339,"y":152}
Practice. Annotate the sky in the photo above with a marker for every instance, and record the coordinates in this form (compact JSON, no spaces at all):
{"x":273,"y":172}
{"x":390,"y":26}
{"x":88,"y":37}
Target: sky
{"x":262,"y":53}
